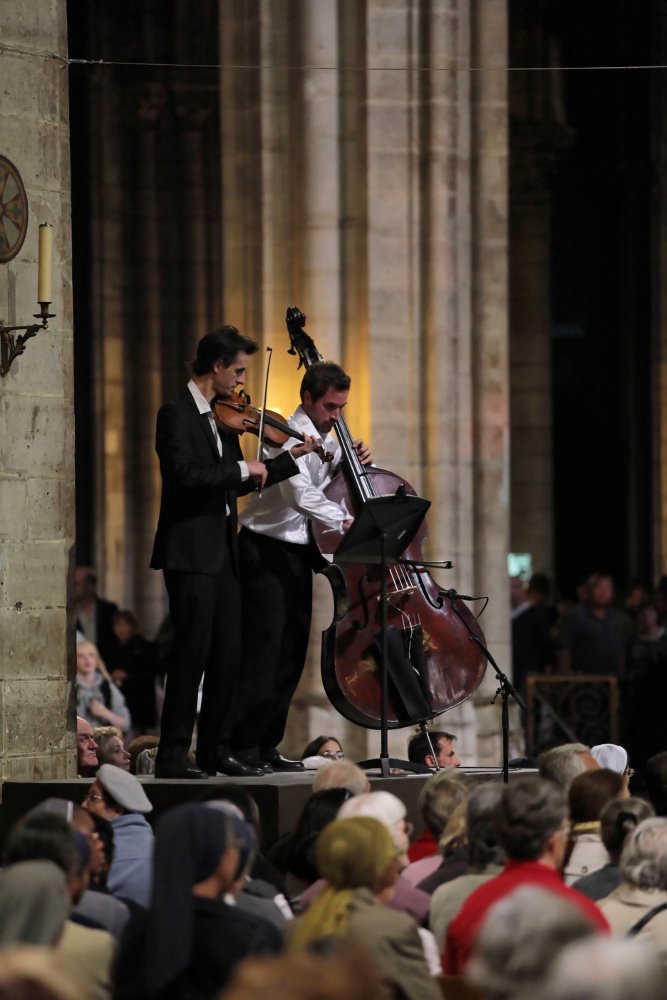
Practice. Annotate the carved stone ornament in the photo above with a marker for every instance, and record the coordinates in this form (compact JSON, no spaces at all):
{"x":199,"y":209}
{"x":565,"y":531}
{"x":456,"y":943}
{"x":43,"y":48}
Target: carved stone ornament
{"x":13,"y":211}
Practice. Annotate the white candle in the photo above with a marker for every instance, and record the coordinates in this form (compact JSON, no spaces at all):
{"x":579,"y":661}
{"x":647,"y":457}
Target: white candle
{"x":44,"y":262}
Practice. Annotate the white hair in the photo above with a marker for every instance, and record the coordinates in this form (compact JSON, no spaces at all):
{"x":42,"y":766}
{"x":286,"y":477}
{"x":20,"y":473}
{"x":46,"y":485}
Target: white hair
{"x":341,"y":774}
{"x":644,"y":857}
{"x":521,"y":936}
{"x":605,"y":969}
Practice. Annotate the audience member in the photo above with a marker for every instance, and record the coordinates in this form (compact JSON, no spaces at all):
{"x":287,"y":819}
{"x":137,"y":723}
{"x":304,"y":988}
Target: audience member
{"x":438,"y":798}
{"x":389,"y":809}
{"x":646,"y":687}
{"x":531,"y":825}
{"x":520,"y":939}
{"x":255,"y":895}
{"x":341,"y":774}
{"x":592,"y":637}
{"x":86,"y":749}
{"x":294,"y":853}
{"x":320,"y":750}
{"x":639,"y":904}
{"x":357,"y":858}
{"x":618,"y":819}
{"x":29,"y":972}
{"x":531,"y":638}
{"x":94,"y":615}
{"x":45,"y":836}
{"x":98,"y":699}
{"x":563,"y":763}
{"x":337,"y":970}
{"x":192,"y":939}
{"x":433,"y":748}
{"x":110,"y":748}
{"x":34,"y":903}
{"x":442,"y":800}
{"x":589,"y":793}
{"x":137,"y":746}
{"x":95,"y":906}
{"x":485,"y":860}
{"x":119,"y":798}
{"x":599,"y":969}
{"x":134,"y":667}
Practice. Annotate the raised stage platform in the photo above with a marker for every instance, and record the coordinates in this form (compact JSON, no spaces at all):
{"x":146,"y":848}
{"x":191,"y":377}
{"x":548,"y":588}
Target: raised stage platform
{"x":280,"y":797}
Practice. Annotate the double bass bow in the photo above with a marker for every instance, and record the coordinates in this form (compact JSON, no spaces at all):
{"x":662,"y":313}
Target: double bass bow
{"x":435,"y":657}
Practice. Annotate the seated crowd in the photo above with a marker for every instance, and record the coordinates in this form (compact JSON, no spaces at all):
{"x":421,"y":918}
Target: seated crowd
{"x":552,"y":886}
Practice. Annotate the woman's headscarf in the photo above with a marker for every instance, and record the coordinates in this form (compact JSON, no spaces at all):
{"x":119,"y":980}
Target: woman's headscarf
{"x":244,"y":835}
{"x":350,"y":853}
{"x":34,"y":903}
{"x":190,"y":840}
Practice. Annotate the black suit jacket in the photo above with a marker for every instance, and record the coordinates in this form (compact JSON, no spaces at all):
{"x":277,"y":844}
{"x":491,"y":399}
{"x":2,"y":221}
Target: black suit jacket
{"x":197,"y":487}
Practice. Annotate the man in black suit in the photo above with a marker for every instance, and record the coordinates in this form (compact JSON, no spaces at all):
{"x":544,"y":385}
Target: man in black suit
{"x":195,"y":546}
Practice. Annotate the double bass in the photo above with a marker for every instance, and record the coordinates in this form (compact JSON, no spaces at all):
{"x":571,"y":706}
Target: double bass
{"x":435,"y":660}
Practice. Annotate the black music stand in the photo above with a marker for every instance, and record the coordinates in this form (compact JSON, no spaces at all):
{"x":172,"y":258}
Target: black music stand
{"x":380,"y":534}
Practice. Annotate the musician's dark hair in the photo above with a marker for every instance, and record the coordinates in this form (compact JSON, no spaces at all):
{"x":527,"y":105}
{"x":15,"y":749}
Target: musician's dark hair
{"x":419,"y":748}
{"x":321,"y":376}
{"x":221,"y":345}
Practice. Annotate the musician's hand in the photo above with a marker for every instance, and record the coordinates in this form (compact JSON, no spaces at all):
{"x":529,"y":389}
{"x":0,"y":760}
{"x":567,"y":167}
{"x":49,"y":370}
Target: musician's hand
{"x":258,"y":472}
{"x":309,"y":444}
{"x":363,"y":451}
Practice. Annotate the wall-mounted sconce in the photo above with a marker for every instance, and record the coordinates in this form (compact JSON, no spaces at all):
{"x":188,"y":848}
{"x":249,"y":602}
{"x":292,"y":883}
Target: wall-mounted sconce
{"x":11,"y":346}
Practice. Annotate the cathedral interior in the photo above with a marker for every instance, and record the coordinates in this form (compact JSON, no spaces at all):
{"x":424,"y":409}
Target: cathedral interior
{"x":463,"y":196}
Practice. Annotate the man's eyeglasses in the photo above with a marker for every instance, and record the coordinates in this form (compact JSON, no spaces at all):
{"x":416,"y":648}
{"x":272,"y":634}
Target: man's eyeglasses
{"x":93,"y":797}
{"x":333,"y":754}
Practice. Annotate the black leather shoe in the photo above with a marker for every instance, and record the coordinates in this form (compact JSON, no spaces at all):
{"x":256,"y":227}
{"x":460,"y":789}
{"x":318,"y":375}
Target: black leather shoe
{"x":253,"y":760}
{"x":280,"y":763}
{"x":182,"y":769}
{"x":227,"y":764}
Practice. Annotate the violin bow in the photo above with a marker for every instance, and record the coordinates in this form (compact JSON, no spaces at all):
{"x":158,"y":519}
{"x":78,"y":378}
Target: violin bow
{"x":260,"y":442}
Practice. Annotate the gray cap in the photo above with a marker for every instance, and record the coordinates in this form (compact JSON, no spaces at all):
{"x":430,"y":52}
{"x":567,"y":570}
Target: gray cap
{"x":123,"y":789}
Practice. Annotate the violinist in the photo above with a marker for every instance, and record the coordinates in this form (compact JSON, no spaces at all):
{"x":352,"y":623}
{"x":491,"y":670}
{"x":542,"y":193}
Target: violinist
{"x":277,"y":558}
{"x":195,"y":546}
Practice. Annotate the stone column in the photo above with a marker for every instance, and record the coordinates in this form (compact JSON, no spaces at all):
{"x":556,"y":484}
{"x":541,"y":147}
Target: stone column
{"x":382,"y":173}
{"x":37,"y":705}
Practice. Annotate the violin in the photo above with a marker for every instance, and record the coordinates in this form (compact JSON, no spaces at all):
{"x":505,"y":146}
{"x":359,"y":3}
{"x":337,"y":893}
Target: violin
{"x":235,"y":413}
{"x":435,"y":661}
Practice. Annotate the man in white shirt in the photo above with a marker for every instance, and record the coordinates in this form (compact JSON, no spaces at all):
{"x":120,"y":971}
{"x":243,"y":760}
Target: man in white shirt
{"x":196,"y":547}
{"x":277,"y":558}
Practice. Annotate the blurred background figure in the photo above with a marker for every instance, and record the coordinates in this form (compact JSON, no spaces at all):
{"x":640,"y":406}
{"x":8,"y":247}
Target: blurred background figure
{"x":592,"y":637}
{"x":94,"y":615}
{"x":98,"y":700}
{"x":134,"y":667}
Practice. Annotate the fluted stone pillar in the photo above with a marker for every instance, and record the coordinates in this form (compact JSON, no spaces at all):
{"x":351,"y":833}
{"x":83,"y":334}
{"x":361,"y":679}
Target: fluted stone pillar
{"x":393,"y":239}
{"x":36,"y":412}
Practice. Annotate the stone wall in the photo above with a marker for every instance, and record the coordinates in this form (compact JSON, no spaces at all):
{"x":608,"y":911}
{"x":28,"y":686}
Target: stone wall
{"x":36,"y":411}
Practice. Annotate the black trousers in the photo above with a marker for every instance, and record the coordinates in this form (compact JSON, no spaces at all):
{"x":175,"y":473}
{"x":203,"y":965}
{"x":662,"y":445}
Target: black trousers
{"x":277,"y":586}
{"x":206,"y":612}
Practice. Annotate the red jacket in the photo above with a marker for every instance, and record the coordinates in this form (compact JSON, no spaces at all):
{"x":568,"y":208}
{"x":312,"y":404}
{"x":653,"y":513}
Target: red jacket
{"x":425,"y":846}
{"x":466,"y":924}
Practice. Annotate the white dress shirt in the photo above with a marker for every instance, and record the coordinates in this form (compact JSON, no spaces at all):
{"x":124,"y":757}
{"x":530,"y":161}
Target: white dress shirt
{"x":284,"y":510}
{"x":204,"y":406}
